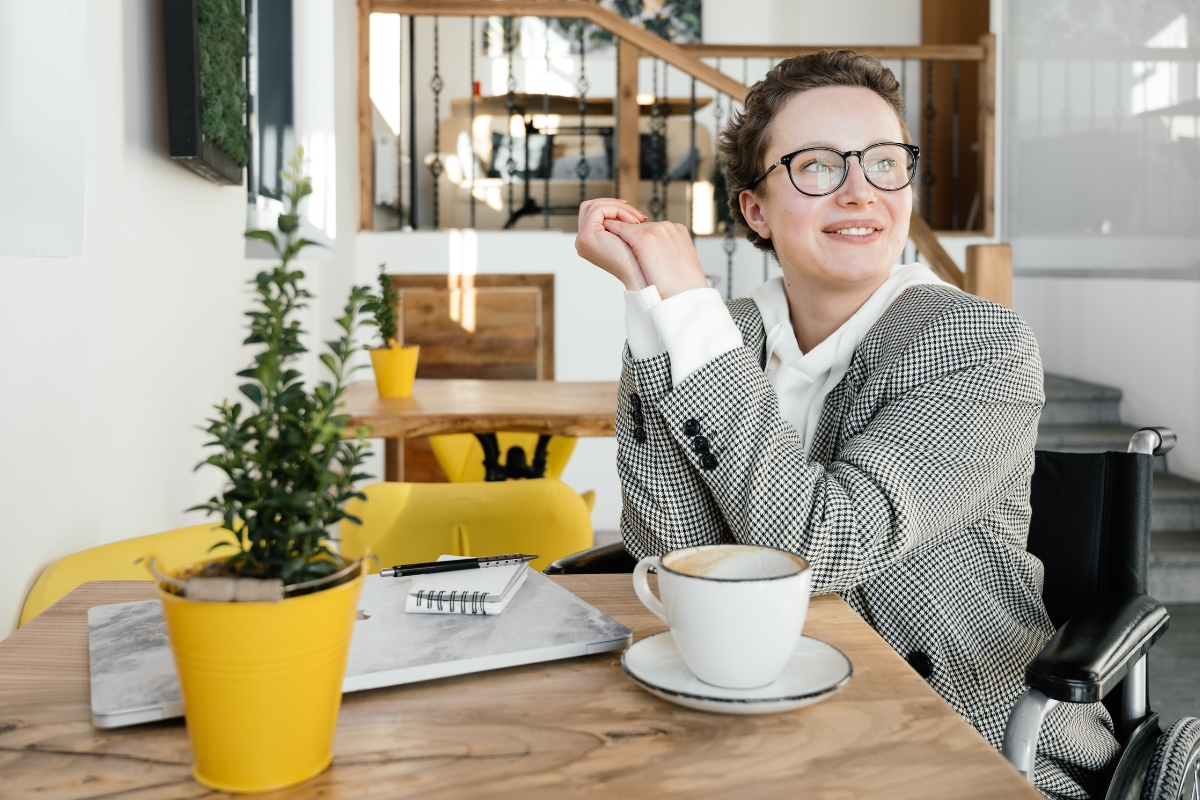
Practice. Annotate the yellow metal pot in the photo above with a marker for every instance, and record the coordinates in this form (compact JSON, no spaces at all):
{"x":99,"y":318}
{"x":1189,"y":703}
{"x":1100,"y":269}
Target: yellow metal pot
{"x":395,"y":369}
{"x":262,"y":684}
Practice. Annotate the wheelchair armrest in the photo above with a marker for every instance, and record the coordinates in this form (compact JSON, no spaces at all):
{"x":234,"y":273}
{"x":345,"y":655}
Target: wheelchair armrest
{"x":1093,"y":650}
{"x":604,"y":560}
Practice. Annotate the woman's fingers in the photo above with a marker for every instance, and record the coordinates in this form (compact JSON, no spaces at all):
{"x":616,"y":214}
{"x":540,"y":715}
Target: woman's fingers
{"x":603,"y":248}
{"x":665,"y":253}
{"x":595,"y":211}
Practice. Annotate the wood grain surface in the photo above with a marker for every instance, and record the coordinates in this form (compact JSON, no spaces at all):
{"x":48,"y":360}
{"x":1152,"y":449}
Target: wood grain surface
{"x":578,"y":727}
{"x":479,"y":406}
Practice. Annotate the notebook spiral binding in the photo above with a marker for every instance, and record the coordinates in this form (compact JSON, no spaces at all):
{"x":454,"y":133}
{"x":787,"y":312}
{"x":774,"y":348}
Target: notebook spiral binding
{"x":477,"y":601}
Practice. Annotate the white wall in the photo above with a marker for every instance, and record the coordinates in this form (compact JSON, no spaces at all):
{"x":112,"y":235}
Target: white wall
{"x":1141,"y":336}
{"x":812,"y":22}
{"x":1107,"y":272}
{"x":113,"y":358}
{"x":41,"y":144}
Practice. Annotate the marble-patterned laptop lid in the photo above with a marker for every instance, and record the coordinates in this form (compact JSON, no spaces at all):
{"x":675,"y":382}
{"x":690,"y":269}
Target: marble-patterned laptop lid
{"x":133,"y":671}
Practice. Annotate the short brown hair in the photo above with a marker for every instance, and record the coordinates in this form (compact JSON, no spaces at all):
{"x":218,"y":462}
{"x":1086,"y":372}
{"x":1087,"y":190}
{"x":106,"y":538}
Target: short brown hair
{"x":743,"y":143}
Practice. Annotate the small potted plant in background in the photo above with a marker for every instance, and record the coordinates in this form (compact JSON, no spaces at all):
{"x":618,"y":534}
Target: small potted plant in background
{"x":261,"y":637}
{"x":395,"y":365}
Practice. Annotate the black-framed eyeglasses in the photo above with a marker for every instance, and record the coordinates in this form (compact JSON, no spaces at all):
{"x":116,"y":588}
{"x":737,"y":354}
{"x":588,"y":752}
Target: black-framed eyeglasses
{"x":818,"y":171}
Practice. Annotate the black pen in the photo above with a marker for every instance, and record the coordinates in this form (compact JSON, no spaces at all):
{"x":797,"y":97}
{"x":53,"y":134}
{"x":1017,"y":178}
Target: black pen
{"x":429,"y":567}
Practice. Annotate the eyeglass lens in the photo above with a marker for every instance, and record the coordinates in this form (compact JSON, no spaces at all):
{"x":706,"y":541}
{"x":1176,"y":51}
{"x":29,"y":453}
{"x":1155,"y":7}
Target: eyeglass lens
{"x":887,"y":166}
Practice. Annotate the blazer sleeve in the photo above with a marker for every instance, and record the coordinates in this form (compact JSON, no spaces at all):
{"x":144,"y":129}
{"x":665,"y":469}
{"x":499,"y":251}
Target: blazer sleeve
{"x":953,"y":425}
{"x":665,"y":504}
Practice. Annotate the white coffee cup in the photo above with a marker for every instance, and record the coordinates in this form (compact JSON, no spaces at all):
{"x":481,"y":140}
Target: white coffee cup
{"x":735,"y":611}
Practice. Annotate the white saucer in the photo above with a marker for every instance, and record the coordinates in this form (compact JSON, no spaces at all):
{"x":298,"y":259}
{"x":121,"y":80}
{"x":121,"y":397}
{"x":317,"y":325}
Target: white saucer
{"x":815,"y":671}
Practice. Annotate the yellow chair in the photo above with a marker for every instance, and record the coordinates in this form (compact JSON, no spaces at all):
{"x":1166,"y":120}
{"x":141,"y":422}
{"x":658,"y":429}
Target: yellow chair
{"x":407,"y":522}
{"x":115,"y":562}
{"x":460,"y":455}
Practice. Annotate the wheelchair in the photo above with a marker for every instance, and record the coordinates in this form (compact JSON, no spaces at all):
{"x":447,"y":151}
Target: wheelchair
{"x":1091,"y":530}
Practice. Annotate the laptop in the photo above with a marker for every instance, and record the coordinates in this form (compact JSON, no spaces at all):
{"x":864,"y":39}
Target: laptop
{"x":133,"y":671}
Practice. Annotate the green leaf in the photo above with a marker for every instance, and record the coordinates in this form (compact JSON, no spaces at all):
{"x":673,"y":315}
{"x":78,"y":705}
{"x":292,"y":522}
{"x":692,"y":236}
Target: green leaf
{"x":253,"y":392}
{"x":265,"y":236}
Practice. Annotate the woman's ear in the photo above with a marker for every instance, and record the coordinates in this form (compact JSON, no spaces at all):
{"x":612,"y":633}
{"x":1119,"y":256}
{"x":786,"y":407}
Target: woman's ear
{"x":752,"y":210}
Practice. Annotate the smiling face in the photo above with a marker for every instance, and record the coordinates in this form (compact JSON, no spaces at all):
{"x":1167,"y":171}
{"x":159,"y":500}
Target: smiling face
{"x":848,"y":239}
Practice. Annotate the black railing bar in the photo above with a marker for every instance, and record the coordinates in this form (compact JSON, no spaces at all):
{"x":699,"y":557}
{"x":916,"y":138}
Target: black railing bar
{"x":694,"y":161}
{"x":927,"y":178}
{"x":474,"y":158}
{"x":547,"y":148}
{"x":664,"y":160}
{"x":954,"y":152}
{"x":655,"y":143}
{"x":583,"y":169}
{"x":413,"y":192}
{"x":436,"y":85}
{"x":510,"y":85}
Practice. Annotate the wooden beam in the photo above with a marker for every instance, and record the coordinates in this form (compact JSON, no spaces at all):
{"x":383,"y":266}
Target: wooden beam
{"x":651,"y":44}
{"x":925,"y":52}
{"x":987,"y":132}
{"x":366,"y":161}
{"x":935,"y":255}
{"x":989,"y":272}
{"x":393,"y":459}
{"x":628,"y":141}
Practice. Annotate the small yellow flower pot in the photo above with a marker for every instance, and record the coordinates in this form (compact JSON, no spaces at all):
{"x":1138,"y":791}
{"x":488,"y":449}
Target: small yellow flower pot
{"x":395,"y":369}
{"x":262,"y":684}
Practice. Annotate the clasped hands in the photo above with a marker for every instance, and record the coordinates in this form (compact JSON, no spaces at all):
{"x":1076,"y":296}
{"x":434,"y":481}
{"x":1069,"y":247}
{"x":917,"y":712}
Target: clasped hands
{"x":622,"y":241}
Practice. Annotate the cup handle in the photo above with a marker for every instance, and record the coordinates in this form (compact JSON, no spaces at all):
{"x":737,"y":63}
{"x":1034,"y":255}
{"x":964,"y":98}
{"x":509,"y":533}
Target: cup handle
{"x":641,"y":585}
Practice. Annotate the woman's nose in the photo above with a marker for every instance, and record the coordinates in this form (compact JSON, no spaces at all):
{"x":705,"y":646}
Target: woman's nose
{"x":857,"y":190}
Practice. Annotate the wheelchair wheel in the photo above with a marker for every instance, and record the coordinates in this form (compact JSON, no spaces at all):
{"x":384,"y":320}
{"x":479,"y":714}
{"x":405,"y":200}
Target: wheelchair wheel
{"x":1174,"y":772}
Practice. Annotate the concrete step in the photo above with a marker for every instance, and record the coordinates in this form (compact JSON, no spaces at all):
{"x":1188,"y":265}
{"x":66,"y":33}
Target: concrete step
{"x":1173,"y":574}
{"x":1176,"y":505}
{"x":1075,"y":402}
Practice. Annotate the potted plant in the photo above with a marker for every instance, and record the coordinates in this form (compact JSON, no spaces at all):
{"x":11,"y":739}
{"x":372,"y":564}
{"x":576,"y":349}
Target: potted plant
{"x":394,"y":364}
{"x":261,"y":637}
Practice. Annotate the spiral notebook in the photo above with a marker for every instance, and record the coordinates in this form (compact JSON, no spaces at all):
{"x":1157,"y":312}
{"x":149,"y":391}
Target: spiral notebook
{"x":133,"y":675}
{"x":469,"y":591}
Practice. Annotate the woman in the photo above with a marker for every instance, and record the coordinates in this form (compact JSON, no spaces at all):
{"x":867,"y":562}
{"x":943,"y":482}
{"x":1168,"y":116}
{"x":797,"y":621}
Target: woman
{"x":860,"y":413}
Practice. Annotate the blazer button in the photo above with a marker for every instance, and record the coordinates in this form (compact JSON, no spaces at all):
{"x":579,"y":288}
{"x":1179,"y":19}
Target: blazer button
{"x":691,"y":427}
{"x":635,"y":401}
{"x":700,"y":444}
{"x":639,"y":434}
{"x":638,"y":417}
{"x":921,"y":663}
{"x":708,"y":461}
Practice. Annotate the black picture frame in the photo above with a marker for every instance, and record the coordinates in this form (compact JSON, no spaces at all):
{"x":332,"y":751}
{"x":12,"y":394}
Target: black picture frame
{"x":187,"y":142}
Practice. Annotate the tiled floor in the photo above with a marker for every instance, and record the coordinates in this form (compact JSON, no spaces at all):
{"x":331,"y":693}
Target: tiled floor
{"x":1175,"y":666}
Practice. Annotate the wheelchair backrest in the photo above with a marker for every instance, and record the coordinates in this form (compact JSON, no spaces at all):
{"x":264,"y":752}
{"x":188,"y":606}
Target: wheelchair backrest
{"x":1090,"y":526}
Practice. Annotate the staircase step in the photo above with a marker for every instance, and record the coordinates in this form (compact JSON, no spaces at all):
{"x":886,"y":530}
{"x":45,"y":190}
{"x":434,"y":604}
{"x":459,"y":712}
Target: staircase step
{"x":1174,"y":568}
{"x":1075,"y":402}
{"x":1176,"y":505}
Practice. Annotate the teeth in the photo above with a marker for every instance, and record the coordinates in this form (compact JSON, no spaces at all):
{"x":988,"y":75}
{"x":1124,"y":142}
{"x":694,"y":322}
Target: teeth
{"x":855,"y":231}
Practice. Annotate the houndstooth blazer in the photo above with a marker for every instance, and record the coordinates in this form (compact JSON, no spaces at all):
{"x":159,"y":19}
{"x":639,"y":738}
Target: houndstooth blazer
{"x":913,"y":505}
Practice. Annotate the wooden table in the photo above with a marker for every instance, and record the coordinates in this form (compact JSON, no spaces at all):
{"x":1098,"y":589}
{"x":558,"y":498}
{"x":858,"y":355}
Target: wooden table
{"x":477,"y":406}
{"x":576,"y":727}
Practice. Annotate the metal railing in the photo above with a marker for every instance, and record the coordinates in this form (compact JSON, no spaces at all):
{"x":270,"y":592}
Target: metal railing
{"x":625,"y":106}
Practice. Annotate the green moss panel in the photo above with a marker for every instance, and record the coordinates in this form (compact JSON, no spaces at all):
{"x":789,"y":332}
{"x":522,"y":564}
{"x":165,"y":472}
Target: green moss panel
{"x":222,"y":87}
